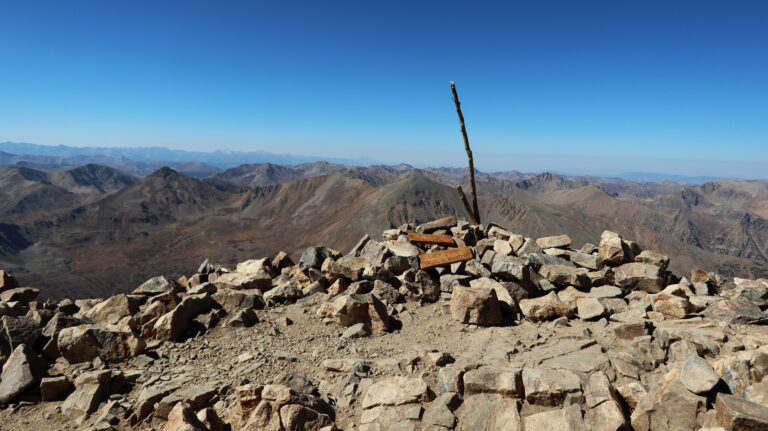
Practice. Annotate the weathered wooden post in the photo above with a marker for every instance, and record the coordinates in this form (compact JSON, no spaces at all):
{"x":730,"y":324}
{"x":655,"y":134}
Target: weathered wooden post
{"x":474,"y":212}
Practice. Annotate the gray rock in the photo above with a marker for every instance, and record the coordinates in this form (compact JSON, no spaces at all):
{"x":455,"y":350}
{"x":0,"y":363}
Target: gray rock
{"x":698,"y":376}
{"x":358,"y":330}
{"x":509,"y":268}
{"x":443,"y":223}
{"x":735,"y":312}
{"x":590,"y":308}
{"x":313,"y":257}
{"x":156,"y":286}
{"x":589,"y":261}
{"x":565,"y":275}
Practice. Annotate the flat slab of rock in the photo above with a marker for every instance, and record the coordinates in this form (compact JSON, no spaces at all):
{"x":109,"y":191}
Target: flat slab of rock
{"x":549,"y":387}
{"x":490,"y":412}
{"x":559,"y":241}
{"x":567,"y":419}
{"x":494,"y":380}
{"x":395,"y":391}
{"x":736,"y":413}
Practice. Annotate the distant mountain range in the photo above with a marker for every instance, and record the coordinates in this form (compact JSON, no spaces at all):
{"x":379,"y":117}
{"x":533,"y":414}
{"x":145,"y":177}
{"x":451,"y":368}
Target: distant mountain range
{"x":144,"y":157}
{"x":142,"y":161}
{"x":94,"y":230}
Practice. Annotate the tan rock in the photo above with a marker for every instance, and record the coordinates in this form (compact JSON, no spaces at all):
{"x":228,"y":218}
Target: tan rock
{"x":475,"y":305}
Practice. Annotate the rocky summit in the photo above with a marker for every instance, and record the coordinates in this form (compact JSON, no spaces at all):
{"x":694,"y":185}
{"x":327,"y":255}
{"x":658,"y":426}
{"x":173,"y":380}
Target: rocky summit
{"x":503,"y":332}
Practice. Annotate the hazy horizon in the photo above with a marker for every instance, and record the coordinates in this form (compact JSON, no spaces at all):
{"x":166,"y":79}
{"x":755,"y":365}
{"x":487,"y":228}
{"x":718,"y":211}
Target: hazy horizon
{"x":591,"y":87}
{"x":523,"y":161}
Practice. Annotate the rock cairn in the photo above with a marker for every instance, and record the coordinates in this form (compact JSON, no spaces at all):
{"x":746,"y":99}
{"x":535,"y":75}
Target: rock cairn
{"x":535,"y":334}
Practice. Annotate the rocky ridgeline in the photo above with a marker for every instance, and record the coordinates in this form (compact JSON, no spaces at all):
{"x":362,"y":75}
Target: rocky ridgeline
{"x":533,"y":334}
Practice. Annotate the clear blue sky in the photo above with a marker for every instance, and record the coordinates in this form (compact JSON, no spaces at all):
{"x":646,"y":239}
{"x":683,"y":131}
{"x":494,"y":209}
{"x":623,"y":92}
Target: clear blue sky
{"x":574,"y":86}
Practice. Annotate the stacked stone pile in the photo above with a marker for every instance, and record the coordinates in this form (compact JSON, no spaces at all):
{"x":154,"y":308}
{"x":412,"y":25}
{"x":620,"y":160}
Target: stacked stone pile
{"x":599,"y":337}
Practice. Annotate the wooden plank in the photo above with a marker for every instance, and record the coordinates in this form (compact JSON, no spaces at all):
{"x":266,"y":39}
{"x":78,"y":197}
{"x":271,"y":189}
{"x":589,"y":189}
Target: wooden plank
{"x":445,"y":257}
{"x":431,"y":239}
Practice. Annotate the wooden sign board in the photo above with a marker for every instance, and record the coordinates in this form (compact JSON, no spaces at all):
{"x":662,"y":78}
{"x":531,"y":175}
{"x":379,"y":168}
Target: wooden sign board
{"x":445,"y":257}
{"x":431,"y":239}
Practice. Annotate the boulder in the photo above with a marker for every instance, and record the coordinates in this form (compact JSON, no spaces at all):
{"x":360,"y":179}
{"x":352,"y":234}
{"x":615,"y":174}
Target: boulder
{"x":735,"y":312}
{"x":351,"y":267}
{"x":509,"y":268}
{"x":639,"y":276}
{"x":698,"y":376}
{"x":351,"y":309}
{"x":85,"y":342}
{"x":260,"y":267}
{"x":507,"y":302}
{"x":671,"y":306}
{"x":279,"y":407}
{"x":281,"y":261}
{"x":590,"y":308}
{"x":546,"y":307}
{"x":588,"y":261}
{"x":240,"y":281}
{"x":653,"y":258}
{"x":736,"y":413}
{"x":156,"y":286}
{"x":603,"y":405}
{"x":395,"y":391}
{"x":91,"y":388}
{"x":476,"y":306}
{"x":54,"y":388}
{"x":113,"y":309}
{"x":402,"y":249}
{"x":19,"y":294}
{"x":565,"y":275}
{"x":284,"y":293}
{"x":548,"y":387}
{"x":494,"y":380}
{"x":490,"y":412}
{"x":313,"y":257}
{"x":21,"y":371}
{"x":7,"y":281}
{"x":171,"y":326}
{"x":15,"y":331}
{"x":566,"y":419}
{"x":183,"y":418}
{"x":612,"y":249}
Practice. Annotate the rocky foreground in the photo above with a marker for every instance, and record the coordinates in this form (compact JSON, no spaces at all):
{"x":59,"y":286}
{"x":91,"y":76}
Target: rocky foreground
{"x":529,"y":334}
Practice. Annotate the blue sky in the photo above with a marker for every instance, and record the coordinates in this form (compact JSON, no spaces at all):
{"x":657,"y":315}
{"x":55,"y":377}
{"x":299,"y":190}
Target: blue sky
{"x":573,"y":86}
